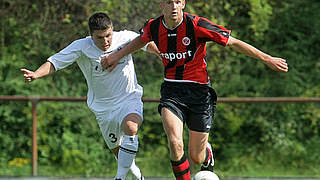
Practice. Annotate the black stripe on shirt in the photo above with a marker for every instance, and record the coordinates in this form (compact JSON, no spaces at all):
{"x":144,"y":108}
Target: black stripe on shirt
{"x":171,"y":48}
{"x":154,"y":29}
{"x":191,"y":34}
{"x":206,"y":24}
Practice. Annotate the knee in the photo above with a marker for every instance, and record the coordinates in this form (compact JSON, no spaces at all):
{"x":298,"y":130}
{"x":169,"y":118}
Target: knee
{"x":130,"y":125}
{"x":132,"y":129}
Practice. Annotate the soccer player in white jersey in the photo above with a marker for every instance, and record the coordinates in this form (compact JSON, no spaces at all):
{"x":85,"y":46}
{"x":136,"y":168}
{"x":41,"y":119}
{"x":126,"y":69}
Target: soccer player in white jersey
{"x":114,"y":97}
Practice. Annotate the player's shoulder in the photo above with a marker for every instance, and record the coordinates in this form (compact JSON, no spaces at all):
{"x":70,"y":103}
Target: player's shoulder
{"x":124,"y":33}
{"x":124,"y":36}
{"x":83,"y":41}
{"x":81,"y":44}
{"x":191,"y":17}
{"x":198,"y":20}
{"x":153,"y":20}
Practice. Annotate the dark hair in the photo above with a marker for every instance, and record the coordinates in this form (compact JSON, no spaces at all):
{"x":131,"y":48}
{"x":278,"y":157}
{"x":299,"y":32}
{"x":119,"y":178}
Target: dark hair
{"x":99,"y":21}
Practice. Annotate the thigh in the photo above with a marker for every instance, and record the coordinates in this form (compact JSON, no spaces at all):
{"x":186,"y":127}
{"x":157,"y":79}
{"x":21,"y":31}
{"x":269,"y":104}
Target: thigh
{"x":132,"y":116}
{"x":171,"y":99}
{"x":200,"y":116}
{"x":110,"y":128}
{"x":172,"y":125}
{"x":110,"y":122}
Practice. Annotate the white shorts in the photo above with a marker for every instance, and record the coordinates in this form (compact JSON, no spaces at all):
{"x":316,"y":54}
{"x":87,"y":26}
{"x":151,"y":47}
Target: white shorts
{"x":110,"y":121}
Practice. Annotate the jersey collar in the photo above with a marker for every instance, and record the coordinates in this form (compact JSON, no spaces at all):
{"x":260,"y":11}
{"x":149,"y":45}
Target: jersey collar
{"x":164,"y":24}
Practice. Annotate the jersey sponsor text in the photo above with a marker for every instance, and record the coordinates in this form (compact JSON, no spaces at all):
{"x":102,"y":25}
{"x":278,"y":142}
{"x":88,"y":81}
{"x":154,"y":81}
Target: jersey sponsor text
{"x":178,"y":56}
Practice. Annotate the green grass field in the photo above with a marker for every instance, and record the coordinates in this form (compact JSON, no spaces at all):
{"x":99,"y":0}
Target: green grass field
{"x":163,"y":169}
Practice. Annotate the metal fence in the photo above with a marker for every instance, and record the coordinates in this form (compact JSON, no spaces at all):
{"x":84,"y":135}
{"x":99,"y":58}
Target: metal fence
{"x":36,"y":99}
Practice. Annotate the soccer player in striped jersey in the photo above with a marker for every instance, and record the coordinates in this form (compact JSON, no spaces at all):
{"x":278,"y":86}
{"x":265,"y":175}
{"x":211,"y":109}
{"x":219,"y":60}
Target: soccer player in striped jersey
{"x":186,"y":93}
{"x":114,"y":98}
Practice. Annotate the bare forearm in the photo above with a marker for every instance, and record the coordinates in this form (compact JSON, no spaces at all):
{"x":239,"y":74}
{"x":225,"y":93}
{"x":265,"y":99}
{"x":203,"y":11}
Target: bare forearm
{"x":247,"y":49}
{"x":133,"y":46}
{"x":275,"y":63}
{"x":112,"y":60}
{"x":44,"y":70}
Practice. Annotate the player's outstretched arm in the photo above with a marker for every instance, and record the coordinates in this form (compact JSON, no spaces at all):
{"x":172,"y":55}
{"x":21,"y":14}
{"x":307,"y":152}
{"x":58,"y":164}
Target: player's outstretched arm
{"x":112,"y":60}
{"x":45,"y":69}
{"x":275,"y":63}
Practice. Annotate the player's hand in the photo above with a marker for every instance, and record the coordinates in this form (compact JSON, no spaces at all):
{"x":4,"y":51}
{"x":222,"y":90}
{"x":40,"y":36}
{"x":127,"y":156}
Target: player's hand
{"x":277,"y":64}
{"x":109,"y":62}
{"x":28,"y":75}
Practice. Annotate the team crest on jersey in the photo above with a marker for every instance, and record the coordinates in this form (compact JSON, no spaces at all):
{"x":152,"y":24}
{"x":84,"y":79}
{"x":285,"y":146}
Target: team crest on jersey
{"x":186,"y":41}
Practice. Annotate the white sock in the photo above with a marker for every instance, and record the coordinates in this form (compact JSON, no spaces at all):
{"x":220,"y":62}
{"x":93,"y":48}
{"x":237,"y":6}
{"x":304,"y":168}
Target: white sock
{"x":135,"y":170}
{"x":127,"y":153}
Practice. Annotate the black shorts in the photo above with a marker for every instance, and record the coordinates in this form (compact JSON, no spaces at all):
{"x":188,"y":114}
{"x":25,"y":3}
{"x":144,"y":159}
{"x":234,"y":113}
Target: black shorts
{"x":193,"y":103}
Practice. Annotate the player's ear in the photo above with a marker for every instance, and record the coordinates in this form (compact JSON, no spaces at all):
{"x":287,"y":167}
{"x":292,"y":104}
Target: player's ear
{"x":183,"y":4}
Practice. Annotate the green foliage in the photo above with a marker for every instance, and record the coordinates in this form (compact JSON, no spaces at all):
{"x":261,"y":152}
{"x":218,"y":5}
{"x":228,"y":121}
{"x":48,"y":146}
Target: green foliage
{"x":249,"y":139}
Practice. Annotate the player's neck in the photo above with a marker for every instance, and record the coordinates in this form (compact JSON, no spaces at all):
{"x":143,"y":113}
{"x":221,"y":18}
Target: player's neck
{"x":172,"y":24}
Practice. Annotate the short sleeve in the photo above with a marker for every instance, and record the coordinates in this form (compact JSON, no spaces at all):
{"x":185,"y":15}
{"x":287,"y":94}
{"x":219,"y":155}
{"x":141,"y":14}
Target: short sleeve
{"x":209,"y":31}
{"x":145,"y":32}
{"x":66,"y":56}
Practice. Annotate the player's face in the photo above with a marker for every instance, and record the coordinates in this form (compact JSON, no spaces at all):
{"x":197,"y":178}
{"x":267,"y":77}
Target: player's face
{"x":173,"y":10}
{"x":102,"y":38}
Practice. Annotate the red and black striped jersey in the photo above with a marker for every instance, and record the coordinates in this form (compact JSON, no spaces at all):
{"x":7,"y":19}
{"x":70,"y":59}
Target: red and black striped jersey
{"x":183,"y":49}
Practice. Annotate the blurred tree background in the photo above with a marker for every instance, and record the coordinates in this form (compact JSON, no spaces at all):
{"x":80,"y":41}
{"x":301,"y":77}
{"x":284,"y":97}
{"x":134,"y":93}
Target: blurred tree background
{"x":249,"y":139}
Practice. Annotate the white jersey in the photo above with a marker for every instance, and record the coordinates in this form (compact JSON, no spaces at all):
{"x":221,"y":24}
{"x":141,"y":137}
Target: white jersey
{"x":106,"y":90}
